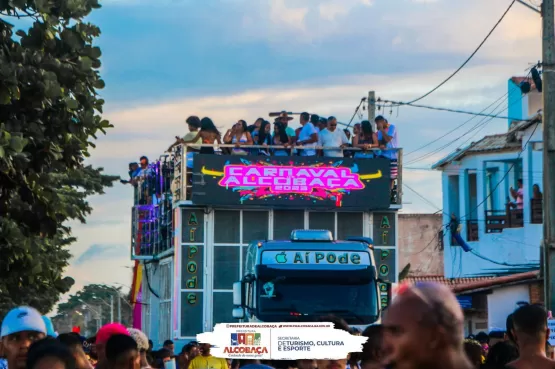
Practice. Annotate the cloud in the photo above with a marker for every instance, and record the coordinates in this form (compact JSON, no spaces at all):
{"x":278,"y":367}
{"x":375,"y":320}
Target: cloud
{"x":98,"y":252}
{"x":290,"y":17}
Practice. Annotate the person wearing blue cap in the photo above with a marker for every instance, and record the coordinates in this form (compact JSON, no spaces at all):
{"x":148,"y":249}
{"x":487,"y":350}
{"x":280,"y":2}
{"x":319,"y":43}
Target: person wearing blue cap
{"x":20,"y":328}
{"x":50,"y":332}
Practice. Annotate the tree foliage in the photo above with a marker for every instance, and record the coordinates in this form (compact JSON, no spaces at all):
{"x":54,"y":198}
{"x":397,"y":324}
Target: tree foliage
{"x":50,"y":113}
{"x":89,"y":302}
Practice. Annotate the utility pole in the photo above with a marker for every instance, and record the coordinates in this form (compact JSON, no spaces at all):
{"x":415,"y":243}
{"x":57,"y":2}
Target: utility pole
{"x":111,"y":308}
{"x":99,"y":321}
{"x":371,"y":107}
{"x":119,"y":308}
{"x":548,"y":66}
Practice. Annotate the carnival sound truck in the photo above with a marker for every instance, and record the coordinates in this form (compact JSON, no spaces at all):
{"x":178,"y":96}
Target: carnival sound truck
{"x":310,"y":276}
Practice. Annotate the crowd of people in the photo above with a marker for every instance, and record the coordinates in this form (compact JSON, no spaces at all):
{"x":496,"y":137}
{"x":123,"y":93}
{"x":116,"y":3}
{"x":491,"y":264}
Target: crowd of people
{"x":422,"y":328}
{"x":313,"y":133}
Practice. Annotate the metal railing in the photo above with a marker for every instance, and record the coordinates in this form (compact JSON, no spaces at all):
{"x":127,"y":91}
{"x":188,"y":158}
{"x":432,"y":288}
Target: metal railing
{"x":152,"y":214}
{"x":182,"y":188}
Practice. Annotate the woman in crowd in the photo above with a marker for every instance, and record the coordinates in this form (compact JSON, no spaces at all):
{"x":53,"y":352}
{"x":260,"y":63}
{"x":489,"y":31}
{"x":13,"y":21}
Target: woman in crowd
{"x":473,"y":351}
{"x":255,"y":128}
{"x":500,"y":355}
{"x":280,"y":139}
{"x":239,"y":136}
{"x":536,"y":192}
{"x":365,"y":139}
{"x":264,"y":137}
{"x":209,"y":135}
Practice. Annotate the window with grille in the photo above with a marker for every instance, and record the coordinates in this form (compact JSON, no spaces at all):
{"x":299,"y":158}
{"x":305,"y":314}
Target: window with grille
{"x":164,"y":313}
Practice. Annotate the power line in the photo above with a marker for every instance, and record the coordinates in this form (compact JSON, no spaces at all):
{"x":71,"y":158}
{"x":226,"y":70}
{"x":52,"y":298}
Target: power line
{"x":473,"y":170}
{"x":435,"y":151}
{"x":469,"y":58}
{"x":454,"y":129}
{"x":356,"y":111}
{"x":477,"y":128}
{"x":474,"y":252}
{"x":423,"y":198}
{"x":401,"y":103}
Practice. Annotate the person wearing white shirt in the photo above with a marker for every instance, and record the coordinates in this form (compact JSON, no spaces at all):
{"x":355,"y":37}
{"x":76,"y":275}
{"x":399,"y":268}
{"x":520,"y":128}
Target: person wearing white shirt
{"x":308,"y":137}
{"x":332,"y":137}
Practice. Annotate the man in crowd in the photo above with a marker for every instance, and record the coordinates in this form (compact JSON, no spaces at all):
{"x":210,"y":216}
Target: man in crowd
{"x":142,"y":344}
{"x":73,"y":342}
{"x":284,"y":119}
{"x":21,"y":327}
{"x":188,"y":353}
{"x":168,"y":345}
{"x":315,"y":120}
{"x":424,"y":328}
{"x":308,"y":137}
{"x":387,"y":138}
{"x":134,"y":170}
{"x":122,"y":352}
{"x":102,"y":337}
{"x":332,"y":137}
{"x":206,"y":361}
{"x":531,"y":335}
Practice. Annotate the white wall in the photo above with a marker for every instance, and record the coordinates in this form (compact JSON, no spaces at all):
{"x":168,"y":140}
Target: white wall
{"x":502,"y":302}
{"x":535,"y":103}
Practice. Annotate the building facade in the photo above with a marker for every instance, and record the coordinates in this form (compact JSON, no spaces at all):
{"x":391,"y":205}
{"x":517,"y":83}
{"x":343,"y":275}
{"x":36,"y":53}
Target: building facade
{"x":479,"y":185}
{"x":421,"y":243}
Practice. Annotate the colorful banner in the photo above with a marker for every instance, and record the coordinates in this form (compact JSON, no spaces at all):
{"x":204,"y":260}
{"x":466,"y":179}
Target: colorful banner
{"x":136,"y":295}
{"x":281,"y":341}
{"x":291,"y":182}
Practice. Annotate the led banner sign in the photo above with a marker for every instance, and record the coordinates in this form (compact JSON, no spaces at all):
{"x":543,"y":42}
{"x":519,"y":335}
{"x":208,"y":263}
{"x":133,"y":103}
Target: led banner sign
{"x":301,"y":182}
{"x":314,"y":258}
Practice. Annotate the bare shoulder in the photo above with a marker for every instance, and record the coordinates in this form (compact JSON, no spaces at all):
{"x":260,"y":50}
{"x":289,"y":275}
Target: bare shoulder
{"x":543,"y":363}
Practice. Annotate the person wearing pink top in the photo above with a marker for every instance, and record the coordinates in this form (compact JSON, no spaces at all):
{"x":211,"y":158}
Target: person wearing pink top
{"x":518,"y":194}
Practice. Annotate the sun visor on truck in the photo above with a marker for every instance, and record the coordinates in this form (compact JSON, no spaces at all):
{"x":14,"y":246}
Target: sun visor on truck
{"x":317,"y":259}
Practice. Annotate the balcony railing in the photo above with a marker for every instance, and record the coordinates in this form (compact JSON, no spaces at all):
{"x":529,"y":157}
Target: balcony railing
{"x":183,"y":157}
{"x":536,"y":213}
{"x":152,"y":217}
{"x":497,"y":220}
{"x":472,"y":230}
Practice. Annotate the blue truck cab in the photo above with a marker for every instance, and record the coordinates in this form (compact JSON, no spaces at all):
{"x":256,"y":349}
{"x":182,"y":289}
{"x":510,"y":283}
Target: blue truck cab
{"x":307,"y":277}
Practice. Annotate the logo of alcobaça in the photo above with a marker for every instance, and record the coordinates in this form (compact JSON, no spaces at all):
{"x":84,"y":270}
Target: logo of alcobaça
{"x":246,"y":343}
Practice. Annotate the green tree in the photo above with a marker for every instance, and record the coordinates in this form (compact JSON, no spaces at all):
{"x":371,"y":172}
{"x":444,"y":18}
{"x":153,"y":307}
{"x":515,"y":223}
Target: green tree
{"x":50,"y":113}
{"x":92,"y":301}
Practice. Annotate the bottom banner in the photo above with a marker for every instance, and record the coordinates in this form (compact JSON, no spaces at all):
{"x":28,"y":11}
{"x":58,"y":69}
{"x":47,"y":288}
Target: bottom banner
{"x":281,"y":341}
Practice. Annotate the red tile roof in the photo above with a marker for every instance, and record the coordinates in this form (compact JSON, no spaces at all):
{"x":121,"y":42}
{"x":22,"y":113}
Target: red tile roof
{"x":460,"y":285}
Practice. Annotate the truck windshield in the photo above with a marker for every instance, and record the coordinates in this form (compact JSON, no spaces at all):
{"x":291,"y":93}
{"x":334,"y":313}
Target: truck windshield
{"x":354,"y":302}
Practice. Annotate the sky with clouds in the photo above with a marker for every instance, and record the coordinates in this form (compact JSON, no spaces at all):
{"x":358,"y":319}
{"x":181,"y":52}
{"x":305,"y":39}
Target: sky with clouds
{"x":240,"y":59}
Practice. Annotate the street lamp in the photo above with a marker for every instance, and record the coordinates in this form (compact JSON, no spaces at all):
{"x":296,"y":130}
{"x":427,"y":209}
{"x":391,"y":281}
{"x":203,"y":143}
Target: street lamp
{"x":97,"y":312}
{"x":111,"y":305}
